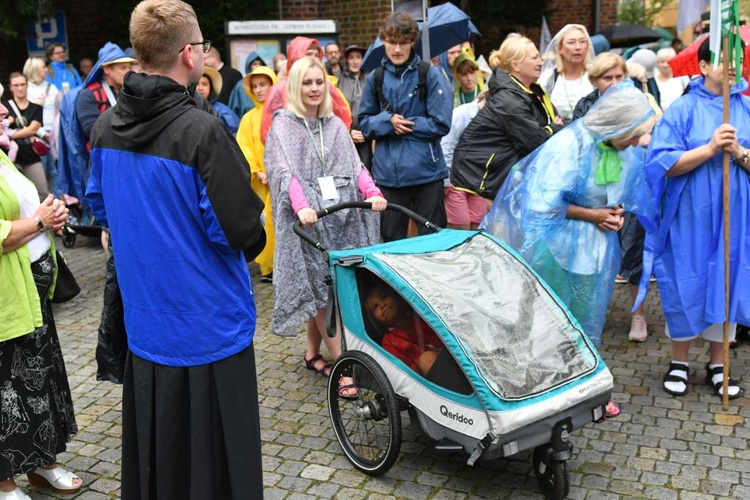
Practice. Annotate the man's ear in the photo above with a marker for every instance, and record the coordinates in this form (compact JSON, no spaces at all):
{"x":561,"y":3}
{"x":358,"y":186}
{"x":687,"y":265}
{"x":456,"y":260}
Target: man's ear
{"x":703,"y":67}
{"x":186,"y":57}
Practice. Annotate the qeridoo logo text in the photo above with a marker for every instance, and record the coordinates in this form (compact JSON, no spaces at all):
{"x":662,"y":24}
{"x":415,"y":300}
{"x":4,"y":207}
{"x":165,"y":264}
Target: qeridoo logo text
{"x":455,"y":416}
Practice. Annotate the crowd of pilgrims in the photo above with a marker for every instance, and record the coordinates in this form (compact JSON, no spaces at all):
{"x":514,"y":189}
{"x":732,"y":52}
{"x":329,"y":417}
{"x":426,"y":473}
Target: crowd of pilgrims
{"x":598,"y":170}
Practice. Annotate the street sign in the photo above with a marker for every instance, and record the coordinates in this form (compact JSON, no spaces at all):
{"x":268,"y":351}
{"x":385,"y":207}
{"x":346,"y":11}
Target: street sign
{"x":42,"y":32}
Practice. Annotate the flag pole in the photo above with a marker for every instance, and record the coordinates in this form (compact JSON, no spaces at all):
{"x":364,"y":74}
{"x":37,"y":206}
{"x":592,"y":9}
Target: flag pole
{"x":725,"y":83}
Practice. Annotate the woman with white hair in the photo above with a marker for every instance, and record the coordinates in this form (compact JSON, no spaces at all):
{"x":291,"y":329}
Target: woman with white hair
{"x":565,"y":72}
{"x":41,"y":92}
{"x":562,"y":205}
{"x":670,"y":88}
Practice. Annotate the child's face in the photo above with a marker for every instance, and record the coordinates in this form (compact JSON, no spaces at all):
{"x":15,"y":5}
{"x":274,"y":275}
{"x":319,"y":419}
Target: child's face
{"x":204,"y":86}
{"x":468,"y":81}
{"x":259,"y":84}
{"x":384,"y":306}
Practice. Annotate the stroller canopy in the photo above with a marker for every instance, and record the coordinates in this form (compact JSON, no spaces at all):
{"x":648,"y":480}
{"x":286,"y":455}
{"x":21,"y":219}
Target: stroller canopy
{"x":505,"y":327}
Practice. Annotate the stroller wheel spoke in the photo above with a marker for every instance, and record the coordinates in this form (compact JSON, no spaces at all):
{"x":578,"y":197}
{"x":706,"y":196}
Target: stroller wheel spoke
{"x":368,"y":426}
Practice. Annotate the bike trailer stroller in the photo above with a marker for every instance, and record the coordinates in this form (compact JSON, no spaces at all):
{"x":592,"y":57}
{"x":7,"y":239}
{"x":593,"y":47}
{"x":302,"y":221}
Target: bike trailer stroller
{"x":517,"y":372}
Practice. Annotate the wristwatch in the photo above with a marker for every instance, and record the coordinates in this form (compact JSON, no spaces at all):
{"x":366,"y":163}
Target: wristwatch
{"x":742,"y":159}
{"x":39,"y":224}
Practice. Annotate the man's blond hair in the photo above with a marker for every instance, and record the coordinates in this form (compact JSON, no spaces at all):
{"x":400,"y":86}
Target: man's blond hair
{"x":159,"y":29}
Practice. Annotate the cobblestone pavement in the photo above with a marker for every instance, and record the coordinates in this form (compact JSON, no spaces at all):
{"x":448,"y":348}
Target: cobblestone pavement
{"x":659,"y":447}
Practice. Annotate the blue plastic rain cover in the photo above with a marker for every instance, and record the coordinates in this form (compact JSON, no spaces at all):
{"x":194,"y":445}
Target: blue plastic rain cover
{"x":508,"y":323}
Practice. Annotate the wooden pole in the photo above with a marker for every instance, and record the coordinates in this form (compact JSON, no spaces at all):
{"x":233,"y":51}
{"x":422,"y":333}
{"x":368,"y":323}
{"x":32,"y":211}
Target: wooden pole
{"x":725,"y":385}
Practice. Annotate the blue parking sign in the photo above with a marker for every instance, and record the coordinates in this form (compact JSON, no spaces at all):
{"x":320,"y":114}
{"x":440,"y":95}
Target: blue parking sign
{"x":41,"y":32}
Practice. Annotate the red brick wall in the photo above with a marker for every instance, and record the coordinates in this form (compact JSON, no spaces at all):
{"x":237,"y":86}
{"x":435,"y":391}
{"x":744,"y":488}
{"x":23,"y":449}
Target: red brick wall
{"x":562,"y":12}
{"x":360,"y":20}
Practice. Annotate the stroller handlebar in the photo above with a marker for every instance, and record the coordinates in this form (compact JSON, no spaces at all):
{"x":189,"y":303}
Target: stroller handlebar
{"x":298,"y":228}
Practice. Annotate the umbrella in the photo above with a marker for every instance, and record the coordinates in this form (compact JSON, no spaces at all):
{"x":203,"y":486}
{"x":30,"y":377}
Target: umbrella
{"x":448,"y":26}
{"x":686,"y":62}
{"x":627,"y":35}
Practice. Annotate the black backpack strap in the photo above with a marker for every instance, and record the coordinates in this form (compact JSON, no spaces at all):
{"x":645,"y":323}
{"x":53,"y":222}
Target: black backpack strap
{"x":378,"y":81}
{"x":424,"y":67}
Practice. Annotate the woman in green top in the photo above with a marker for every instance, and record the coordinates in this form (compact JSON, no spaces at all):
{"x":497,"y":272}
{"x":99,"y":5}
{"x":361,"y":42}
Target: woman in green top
{"x":37,"y":410}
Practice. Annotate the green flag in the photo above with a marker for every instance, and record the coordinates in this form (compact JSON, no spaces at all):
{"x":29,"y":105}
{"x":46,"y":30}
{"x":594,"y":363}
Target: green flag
{"x":725,"y":20}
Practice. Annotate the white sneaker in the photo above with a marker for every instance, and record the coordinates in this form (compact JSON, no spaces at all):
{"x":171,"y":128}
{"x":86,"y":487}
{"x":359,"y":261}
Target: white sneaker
{"x":638,"y":328}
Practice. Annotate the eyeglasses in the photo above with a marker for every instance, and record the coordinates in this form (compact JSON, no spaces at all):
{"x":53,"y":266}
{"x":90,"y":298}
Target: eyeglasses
{"x":576,"y":43}
{"x":206,"y":45}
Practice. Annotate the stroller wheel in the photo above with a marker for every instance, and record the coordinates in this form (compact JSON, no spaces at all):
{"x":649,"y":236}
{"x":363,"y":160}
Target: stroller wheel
{"x":552,"y":475}
{"x":68,"y":238}
{"x":368,"y":426}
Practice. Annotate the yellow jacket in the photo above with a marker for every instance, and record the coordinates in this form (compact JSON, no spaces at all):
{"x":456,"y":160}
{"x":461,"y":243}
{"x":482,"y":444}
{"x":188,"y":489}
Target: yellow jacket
{"x":248,"y":137}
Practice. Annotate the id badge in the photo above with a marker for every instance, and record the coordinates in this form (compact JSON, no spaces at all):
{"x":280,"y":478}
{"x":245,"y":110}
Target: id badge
{"x":328,"y":188}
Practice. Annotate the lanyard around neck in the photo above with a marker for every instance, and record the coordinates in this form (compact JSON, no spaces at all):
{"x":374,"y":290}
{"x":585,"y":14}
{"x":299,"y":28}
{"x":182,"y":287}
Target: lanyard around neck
{"x":321,"y":153}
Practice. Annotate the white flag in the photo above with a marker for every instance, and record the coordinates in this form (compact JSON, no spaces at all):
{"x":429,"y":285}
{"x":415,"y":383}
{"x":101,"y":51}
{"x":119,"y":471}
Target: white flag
{"x":545,"y":38}
{"x":689,"y":13}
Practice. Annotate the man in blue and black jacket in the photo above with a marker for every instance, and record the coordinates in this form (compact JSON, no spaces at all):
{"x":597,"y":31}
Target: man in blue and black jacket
{"x":406,"y":107}
{"x":174,"y":188}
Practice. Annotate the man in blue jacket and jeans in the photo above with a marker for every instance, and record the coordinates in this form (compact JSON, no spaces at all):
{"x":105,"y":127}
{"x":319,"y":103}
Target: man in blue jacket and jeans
{"x":407,"y":111}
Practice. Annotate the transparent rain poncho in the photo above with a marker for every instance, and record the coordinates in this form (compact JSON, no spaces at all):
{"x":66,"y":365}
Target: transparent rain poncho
{"x":576,"y":258}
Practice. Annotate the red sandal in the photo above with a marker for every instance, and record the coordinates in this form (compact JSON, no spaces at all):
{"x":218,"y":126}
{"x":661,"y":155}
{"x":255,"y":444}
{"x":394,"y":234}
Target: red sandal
{"x":348,"y":391}
{"x":611,"y":410}
{"x":310,"y":365}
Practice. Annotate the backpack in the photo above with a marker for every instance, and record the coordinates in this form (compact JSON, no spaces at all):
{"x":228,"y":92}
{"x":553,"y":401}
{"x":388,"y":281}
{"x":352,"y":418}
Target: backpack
{"x":100,"y":96}
{"x":424,"y":67}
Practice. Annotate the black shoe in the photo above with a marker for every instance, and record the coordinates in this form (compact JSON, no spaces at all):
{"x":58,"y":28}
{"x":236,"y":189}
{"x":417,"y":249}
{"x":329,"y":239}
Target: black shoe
{"x":268,"y":278}
{"x":717,"y":387}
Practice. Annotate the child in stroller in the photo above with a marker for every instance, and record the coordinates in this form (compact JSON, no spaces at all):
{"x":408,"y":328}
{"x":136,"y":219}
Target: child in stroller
{"x":408,"y":337}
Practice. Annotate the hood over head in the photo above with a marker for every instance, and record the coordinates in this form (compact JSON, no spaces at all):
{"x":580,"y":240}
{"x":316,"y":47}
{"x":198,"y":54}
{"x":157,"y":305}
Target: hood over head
{"x":618,"y":112}
{"x":110,"y":53}
{"x":647,"y":59}
{"x":297,"y":48}
{"x":260,"y":70}
{"x":252,"y":57}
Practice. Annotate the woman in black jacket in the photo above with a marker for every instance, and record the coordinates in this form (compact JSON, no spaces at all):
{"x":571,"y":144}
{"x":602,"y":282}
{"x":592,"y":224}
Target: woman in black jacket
{"x":518,"y":118}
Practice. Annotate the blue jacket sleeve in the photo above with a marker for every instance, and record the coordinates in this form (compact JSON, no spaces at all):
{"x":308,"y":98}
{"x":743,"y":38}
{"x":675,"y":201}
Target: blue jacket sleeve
{"x":228,"y":117}
{"x":373,"y":122}
{"x":87,"y":111}
{"x":439,"y":110}
{"x":94,"y":190}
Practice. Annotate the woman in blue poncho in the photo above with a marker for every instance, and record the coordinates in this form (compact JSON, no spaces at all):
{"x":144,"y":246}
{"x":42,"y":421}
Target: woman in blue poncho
{"x":685,"y":245}
{"x":562,"y":205}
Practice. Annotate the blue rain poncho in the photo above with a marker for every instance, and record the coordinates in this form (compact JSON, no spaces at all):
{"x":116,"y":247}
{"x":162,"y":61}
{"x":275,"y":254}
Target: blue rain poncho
{"x":577,"y":259}
{"x":685,"y":244}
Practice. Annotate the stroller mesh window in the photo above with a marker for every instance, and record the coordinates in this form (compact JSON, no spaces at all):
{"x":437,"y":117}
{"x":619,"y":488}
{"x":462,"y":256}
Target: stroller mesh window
{"x":520,"y":338}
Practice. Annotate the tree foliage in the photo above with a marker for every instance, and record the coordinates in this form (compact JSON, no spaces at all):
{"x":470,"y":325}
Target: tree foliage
{"x":641,"y":12}
{"x":495,"y":19}
{"x":16,"y":11}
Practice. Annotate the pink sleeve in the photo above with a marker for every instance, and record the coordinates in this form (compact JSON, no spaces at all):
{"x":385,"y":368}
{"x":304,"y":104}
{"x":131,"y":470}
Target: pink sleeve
{"x":366,"y":185}
{"x":297,"y":195}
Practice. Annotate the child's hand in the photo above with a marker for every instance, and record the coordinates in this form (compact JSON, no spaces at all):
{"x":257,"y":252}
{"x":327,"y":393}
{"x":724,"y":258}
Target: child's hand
{"x":263,"y":178}
{"x":378,"y":203}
